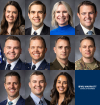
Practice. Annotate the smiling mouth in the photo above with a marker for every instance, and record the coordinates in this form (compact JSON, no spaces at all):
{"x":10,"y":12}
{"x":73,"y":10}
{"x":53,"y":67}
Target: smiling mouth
{"x":37,"y":20}
{"x":12,"y":90}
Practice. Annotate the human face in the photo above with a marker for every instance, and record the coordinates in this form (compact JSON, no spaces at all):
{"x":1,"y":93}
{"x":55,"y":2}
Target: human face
{"x":37,"y":50}
{"x":61,"y":15}
{"x":62,"y":50}
{"x":87,"y":16}
{"x":11,"y":14}
{"x":12,"y":50}
{"x":12,"y":87}
{"x":37,"y":84}
{"x":61,"y":84}
{"x":87,"y":49}
{"x":36,"y":16}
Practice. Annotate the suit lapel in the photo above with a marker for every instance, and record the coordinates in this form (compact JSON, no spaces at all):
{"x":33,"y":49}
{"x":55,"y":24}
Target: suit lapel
{"x":21,"y":101}
{"x":79,"y":30}
{"x":2,"y":66}
{"x":18,"y":65}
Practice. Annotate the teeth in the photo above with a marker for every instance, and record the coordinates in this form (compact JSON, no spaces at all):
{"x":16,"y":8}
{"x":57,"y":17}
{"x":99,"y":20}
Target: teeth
{"x":61,"y":89}
{"x":36,"y":54}
{"x":88,"y":20}
{"x":12,"y":90}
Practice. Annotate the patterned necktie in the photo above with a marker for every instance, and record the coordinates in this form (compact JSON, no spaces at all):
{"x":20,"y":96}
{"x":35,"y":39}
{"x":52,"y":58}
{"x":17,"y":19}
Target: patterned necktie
{"x":8,"y":67}
{"x":41,"y":102}
{"x":89,"y":32}
{"x":33,"y":67}
{"x":10,"y":103}
{"x":35,"y":33}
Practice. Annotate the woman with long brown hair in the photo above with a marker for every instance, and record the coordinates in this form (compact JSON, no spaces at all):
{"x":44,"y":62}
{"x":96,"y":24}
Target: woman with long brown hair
{"x":63,"y":90}
{"x":12,"y":22}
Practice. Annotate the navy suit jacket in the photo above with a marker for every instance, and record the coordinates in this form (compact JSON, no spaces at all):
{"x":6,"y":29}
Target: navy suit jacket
{"x":19,"y":65}
{"x":45,"y":31}
{"x":43,"y":66}
{"x":21,"y":101}
{"x":79,"y":30}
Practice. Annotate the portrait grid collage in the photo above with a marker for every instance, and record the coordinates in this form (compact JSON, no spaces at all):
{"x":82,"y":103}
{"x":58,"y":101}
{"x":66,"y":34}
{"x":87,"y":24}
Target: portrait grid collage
{"x":49,"y":52}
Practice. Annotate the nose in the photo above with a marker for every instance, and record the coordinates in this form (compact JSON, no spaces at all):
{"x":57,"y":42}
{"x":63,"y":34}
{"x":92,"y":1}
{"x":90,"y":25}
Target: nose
{"x":12,"y":85}
{"x":35,"y":49}
{"x":64,"y":49}
{"x":61,"y":14}
{"x":36,"y":14}
{"x":12,"y":49}
{"x":11,"y":13}
{"x":38,"y":83}
{"x":88,"y":15}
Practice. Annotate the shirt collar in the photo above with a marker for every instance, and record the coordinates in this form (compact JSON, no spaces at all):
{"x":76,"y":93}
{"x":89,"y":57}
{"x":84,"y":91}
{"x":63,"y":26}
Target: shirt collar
{"x":12,"y":64}
{"x":38,"y":31}
{"x":85,"y":30}
{"x":36,"y":99}
{"x":63,"y":66}
{"x":15,"y":100}
{"x":37,"y":64}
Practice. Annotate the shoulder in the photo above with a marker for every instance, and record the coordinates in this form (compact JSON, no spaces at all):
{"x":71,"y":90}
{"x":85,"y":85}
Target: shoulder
{"x":72,"y":102}
{"x":48,"y":102}
{"x":46,"y":65}
{"x":3,"y":102}
{"x":78,"y":64}
{"x":71,"y":65}
{"x":54,"y":31}
{"x":97,"y":31}
{"x":22,"y":30}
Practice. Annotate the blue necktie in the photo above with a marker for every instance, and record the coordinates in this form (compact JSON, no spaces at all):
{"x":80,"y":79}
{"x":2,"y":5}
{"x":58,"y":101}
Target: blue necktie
{"x":10,"y":103}
{"x":35,"y":33}
{"x":41,"y":102}
{"x":89,"y":32}
{"x":33,"y":67}
{"x":8,"y":67}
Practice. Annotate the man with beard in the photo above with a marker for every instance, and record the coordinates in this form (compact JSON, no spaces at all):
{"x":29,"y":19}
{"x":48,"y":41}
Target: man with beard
{"x":87,"y":49}
{"x":62,"y":49}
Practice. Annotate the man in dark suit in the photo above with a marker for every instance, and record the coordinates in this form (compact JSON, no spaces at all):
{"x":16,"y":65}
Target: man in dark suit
{"x":12,"y":51}
{"x":62,"y":49}
{"x":37,"y":50}
{"x":87,"y":13}
{"x":36,"y":14}
{"x":12,"y":85}
{"x":37,"y":84}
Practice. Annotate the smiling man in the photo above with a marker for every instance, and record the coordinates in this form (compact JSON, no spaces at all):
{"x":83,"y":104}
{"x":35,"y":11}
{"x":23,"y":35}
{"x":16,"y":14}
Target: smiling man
{"x":12,"y":51}
{"x":87,"y":13}
{"x":12,"y":85}
{"x":87,"y":49}
{"x":37,"y":14}
{"x":62,"y":49}
{"x":37,"y":84}
{"x":37,"y":50}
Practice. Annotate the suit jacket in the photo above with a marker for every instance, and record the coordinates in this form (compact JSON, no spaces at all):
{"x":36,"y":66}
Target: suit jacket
{"x":79,"y":30}
{"x":29,"y":101}
{"x":45,"y":31}
{"x":19,"y":65}
{"x":56,"y":66}
{"x":43,"y":66}
{"x":21,"y":101}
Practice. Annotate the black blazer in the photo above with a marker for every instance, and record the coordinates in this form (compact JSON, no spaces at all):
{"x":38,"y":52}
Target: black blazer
{"x":45,"y":31}
{"x":79,"y":30}
{"x":29,"y":101}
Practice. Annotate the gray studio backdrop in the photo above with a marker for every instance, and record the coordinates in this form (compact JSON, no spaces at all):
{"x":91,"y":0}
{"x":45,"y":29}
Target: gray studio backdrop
{"x":3,"y":93}
{"x":4,"y":2}
{"x":77,"y":44}
{"x":53,"y":38}
{"x":70,"y":2}
{"x":97,"y":20}
{"x":50,"y":76}
{"x":21,"y":37}
{"x":27,"y":40}
{"x":47,"y":18}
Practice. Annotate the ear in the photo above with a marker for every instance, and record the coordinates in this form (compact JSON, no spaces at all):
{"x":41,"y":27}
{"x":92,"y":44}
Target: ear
{"x":5,"y":85}
{"x":70,"y":49}
{"x":78,"y":15}
{"x":45,"y":84}
{"x":96,"y":14}
{"x":94,"y":49}
{"x":29,"y":84}
{"x":45,"y":50}
{"x":4,"y":49}
{"x":44,"y":15}
{"x":80,"y":49}
{"x":29,"y":15}
{"x":54,"y":49}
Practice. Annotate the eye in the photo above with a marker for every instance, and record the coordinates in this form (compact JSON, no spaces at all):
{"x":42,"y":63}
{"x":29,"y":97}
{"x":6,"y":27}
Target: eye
{"x":91,"y":13}
{"x":15,"y":12}
{"x":83,"y":13}
{"x":40,"y":12}
{"x":64,"y":11}
{"x":57,"y":11}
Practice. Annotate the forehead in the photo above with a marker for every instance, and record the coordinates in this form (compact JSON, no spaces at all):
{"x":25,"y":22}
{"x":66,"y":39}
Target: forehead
{"x":11,"y":79}
{"x":36,"y":42}
{"x":37,"y":77}
{"x":62,"y":42}
{"x":61,"y":7}
{"x":62,"y":77}
{"x":87,"y":41}
{"x":11,"y":7}
{"x":36,"y":7}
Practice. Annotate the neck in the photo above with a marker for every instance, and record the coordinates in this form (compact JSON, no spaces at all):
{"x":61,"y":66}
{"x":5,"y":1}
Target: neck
{"x":61,"y":98}
{"x":10,"y":26}
{"x":12,"y":98}
{"x":63,"y":61}
{"x":90,"y":60}
{"x":36,"y":28}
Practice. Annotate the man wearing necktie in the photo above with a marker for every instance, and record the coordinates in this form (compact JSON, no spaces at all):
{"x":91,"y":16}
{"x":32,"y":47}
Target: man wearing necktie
{"x":37,"y":84}
{"x":12,"y":84}
{"x":87,"y":49}
{"x":87,"y":13}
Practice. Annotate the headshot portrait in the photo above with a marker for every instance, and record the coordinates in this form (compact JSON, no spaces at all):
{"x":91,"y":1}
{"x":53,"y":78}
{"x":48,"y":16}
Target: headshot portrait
{"x":62,"y":56}
{"x":13,"y":49}
{"x":62,"y":87}
{"x":37,"y":87}
{"x":12,"y":20}
{"x":37,"y":17}
{"x":87,"y":55}
{"x":62,"y":18}
{"x":38,"y":52}
{"x":87,"y":17}
{"x":12,"y":88}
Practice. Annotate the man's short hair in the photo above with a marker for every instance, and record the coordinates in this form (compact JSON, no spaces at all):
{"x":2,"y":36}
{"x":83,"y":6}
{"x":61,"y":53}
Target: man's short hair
{"x":88,"y":38}
{"x":87,"y":3}
{"x":37,"y":73}
{"x":13,"y":38}
{"x":63,"y":38}
{"x":37,"y":3}
{"x":12,"y":73}
{"x":38,"y":38}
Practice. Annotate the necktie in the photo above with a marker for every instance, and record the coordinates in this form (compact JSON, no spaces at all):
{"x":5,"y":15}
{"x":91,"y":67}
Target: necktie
{"x":41,"y":102}
{"x":35,"y":33}
{"x":8,"y":67}
{"x":33,"y":67}
{"x":10,"y":103}
{"x":65,"y":68}
{"x":89,"y":32}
